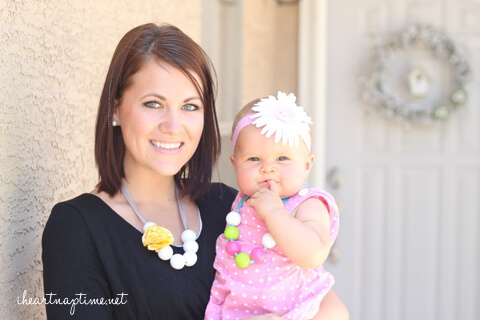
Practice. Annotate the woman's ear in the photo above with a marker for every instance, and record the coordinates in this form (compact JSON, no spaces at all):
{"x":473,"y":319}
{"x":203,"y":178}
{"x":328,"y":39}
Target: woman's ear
{"x":116,"y":118}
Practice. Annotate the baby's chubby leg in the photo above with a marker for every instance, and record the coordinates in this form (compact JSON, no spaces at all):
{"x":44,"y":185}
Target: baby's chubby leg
{"x":332,"y":308}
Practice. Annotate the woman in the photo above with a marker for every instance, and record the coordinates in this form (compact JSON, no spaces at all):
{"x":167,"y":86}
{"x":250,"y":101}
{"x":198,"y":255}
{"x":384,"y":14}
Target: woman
{"x":157,"y":140}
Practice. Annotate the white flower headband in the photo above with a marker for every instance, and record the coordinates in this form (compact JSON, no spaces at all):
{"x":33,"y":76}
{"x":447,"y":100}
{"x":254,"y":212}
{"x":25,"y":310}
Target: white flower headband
{"x":281,"y":116}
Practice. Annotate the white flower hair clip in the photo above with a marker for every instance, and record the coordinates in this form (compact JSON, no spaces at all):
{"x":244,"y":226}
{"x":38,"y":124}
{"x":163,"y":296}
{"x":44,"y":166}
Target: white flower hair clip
{"x":280,"y":116}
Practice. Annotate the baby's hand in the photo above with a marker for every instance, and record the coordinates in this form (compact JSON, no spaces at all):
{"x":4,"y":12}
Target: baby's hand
{"x":267,"y":200}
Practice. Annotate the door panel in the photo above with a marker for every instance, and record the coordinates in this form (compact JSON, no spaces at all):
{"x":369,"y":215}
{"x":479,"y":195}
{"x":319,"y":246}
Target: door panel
{"x":409,"y":245}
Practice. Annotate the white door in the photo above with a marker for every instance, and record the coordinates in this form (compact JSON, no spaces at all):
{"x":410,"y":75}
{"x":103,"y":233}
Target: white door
{"x":409,"y":242}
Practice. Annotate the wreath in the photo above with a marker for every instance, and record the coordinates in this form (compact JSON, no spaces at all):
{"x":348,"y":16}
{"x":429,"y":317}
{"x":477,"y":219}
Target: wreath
{"x":416,"y":109}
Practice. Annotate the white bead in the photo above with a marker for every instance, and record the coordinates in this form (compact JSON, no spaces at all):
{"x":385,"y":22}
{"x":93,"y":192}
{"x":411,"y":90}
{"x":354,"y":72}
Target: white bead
{"x":268,"y":241}
{"x":177,"y":261}
{"x":234,"y":218}
{"x":147,"y":225}
{"x":190,"y":246}
{"x":188,"y":235}
{"x":303,"y":192}
{"x":190,"y":258}
{"x":166,"y":253}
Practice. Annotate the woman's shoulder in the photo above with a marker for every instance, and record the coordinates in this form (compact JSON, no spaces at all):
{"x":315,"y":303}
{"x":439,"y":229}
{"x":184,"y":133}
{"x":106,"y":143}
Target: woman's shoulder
{"x":218,"y":200}
{"x":219,"y":192}
{"x":81,"y":203}
{"x":77,"y":211}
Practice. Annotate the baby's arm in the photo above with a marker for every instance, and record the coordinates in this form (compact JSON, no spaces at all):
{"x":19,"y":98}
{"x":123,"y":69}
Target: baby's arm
{"x":305,"y":238}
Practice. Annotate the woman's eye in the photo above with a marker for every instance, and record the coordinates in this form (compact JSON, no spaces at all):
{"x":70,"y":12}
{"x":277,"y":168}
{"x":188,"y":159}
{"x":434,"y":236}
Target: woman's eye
{"x":282,"y":158}
{"x":152,"y":104}
{"x":254,"y":159}
{"x":190,"y":107}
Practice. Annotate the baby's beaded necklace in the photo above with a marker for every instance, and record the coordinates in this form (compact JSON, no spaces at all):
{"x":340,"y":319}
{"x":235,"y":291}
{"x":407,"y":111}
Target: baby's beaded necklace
{"x":231,"y":233}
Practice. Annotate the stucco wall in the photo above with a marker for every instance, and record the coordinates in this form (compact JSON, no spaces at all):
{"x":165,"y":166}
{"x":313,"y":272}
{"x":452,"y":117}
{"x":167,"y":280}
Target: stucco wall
{"x":53,"y":59}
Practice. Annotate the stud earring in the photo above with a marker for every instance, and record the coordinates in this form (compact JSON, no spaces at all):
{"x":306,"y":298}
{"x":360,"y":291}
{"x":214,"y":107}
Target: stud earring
{"x":115,"y":123}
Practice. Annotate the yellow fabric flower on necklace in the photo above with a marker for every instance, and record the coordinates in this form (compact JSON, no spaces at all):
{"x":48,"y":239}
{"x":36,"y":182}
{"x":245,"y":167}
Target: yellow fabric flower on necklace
{"x":156,"y":238}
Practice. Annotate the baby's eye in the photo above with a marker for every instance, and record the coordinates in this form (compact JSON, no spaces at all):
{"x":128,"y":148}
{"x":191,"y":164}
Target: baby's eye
{"x":190,"y":107}
{"x":282,"y":158}
{"x":152,"y":104}
{"x":253,"y":159}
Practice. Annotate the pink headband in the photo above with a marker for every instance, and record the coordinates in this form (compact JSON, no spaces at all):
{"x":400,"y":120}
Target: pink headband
{"x":281,"y":116}
{"x":245,"y":121}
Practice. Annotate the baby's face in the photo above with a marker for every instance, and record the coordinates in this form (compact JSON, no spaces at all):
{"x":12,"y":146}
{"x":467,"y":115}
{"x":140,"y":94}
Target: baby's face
{"x":258,"y":159}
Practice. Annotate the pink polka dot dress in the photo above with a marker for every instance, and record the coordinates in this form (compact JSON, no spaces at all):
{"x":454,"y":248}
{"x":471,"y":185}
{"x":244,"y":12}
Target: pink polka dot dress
{"x":276,"y":284}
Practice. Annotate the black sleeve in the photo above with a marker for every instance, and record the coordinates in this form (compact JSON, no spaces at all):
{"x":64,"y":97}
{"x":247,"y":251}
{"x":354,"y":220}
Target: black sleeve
{"x":75,"y":283}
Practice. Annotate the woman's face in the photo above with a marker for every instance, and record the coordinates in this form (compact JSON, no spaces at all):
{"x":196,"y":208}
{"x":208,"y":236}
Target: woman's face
{"x":161,"y":116}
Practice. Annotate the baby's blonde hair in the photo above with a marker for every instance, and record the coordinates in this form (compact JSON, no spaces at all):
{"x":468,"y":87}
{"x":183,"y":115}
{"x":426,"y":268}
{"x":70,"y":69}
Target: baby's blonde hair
{"x":247,"y":109}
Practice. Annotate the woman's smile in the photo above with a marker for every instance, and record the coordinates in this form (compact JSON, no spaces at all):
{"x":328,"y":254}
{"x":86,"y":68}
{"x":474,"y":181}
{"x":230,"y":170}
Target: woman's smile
{"x":166,"y":146}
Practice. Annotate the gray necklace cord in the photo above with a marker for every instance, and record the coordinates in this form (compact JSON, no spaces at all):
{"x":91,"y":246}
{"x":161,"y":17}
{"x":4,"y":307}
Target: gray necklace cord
{"x":132,"y":204}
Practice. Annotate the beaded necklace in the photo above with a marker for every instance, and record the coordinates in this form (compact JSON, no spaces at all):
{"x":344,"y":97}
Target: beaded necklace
{"x":231,"y":233}
{"x":159,"y":239}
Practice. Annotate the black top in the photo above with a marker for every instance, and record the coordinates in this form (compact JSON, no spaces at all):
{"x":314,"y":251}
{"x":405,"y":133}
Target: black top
{"x":91,"y":253}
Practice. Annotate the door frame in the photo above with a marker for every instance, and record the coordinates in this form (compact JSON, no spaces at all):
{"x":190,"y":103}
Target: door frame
{"x":312,"y":78}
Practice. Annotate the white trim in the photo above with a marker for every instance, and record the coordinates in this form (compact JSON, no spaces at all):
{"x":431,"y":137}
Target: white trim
{"x":312,"y":78}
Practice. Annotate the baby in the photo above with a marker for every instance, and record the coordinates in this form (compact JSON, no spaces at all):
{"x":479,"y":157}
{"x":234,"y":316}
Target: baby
{"x":280,"y":231}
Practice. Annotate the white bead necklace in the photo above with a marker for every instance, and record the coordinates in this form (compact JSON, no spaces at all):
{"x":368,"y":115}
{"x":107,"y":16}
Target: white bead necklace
{"x":159,"y":239}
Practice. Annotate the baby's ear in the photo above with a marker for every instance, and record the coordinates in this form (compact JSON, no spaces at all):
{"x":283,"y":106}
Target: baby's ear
{"x":309,"y":162}
{"x":232,"y":159}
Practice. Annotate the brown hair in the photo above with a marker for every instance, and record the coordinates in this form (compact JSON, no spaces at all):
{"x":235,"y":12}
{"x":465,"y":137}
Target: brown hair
{"x":162,"y":43}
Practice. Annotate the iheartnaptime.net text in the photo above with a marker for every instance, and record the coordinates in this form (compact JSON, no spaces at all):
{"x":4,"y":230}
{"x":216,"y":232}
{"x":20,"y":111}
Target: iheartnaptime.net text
{"x":80,"y":299}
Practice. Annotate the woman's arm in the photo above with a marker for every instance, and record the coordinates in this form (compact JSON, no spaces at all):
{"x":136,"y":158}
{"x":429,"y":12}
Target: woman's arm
{"x":72,"y":271}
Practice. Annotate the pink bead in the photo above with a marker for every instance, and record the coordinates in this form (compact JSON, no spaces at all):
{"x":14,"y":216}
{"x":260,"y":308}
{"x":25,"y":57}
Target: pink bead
{"x":233,"y":247}
{"x":258,"y":254}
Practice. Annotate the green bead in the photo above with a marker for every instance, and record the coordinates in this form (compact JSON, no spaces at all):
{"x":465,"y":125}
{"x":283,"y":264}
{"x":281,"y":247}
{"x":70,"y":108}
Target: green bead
{"x":242,"y":260}
{"x":231,"y":233}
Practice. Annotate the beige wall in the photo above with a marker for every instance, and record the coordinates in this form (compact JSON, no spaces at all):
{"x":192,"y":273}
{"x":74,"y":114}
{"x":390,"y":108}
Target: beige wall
{"x":270,"y":48}
{"x":53,"y":59}
{"x":261,"y":37}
